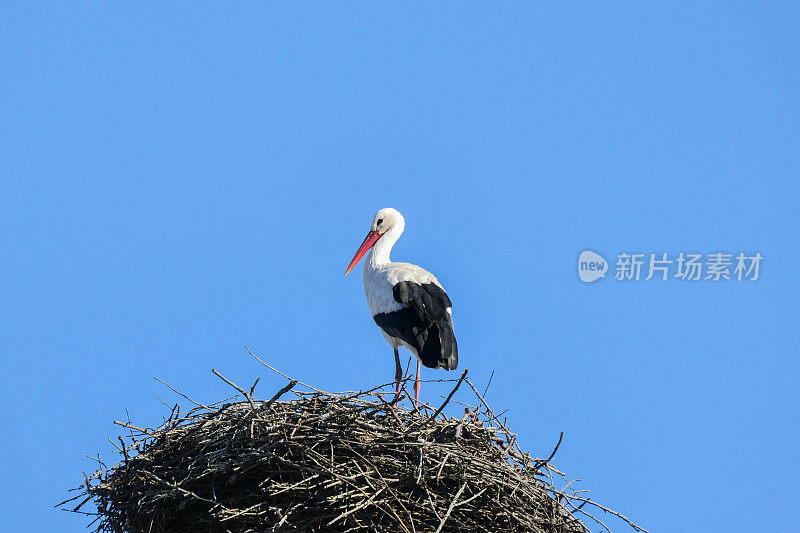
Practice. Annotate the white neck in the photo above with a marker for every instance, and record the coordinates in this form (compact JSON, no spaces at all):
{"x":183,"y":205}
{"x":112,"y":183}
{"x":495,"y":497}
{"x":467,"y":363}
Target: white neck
{"x":379,"y":255}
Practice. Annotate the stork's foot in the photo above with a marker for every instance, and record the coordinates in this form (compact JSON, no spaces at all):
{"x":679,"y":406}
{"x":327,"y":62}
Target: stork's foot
{"x":398,"y":372}
{"x":417,"y":387}
{"x":397,"y":397}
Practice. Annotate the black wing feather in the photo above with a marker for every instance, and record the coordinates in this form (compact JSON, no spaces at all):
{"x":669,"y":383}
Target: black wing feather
{"x":423,"y":323}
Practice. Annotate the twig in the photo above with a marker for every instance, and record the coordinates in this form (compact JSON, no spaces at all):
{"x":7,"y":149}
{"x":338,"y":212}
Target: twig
{"x":131,"y":426}
{"x":439,"y":410}
{"x":235,"y":386}
{"x":176,"y":391}
{"x":284,"y":375}
{"x":487,"y":385}
{"x":609,"y":511}
{"x":253,"y":388}
{"x":124,"y":450}
{"x":289,"y":386}
{"x":450,"y":509}
{"x":553,"y":453}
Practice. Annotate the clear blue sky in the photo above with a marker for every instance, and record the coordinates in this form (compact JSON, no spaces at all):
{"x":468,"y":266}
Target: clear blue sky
{"x":178,"y":181}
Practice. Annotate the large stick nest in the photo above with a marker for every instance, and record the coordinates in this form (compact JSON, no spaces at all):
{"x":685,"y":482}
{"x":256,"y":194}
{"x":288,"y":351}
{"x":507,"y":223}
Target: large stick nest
{"x":361,"y":461}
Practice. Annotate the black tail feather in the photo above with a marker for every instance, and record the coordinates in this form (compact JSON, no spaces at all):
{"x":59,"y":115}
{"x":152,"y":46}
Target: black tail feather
{"x":440,"y":349}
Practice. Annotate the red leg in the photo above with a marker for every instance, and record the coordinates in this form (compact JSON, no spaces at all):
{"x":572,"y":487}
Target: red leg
{"x":398,"y":373}
{"x":417,"y":385}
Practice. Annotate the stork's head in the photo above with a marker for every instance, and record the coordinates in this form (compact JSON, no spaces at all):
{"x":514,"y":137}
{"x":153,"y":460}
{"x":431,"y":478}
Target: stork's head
{"x":386,"y":222}
{"x":387,"y":219}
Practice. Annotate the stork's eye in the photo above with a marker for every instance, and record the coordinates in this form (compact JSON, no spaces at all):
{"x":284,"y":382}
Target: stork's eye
{"x":380,"y":221}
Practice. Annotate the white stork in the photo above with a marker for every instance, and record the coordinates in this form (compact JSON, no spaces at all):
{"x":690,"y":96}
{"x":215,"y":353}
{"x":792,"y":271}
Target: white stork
{"x":407,"y":302}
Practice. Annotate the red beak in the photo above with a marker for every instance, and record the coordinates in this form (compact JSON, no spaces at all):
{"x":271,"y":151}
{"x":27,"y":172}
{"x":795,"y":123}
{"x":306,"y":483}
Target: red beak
{"x":369,"y":242}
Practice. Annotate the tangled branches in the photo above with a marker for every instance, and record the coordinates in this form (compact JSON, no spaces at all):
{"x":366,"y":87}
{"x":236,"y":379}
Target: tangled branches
{"x":359,"y":461}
